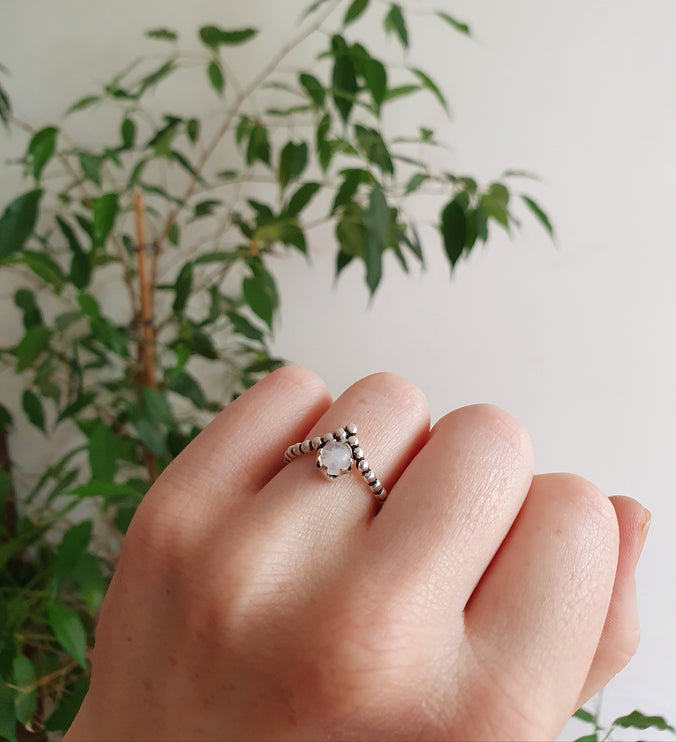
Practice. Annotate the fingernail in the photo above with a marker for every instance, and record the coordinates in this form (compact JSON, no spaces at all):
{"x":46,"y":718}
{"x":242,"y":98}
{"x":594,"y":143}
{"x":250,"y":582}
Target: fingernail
{"x":645,"y":527}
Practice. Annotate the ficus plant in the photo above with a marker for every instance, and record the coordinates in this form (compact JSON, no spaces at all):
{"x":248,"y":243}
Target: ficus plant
{"x":136,"y":260}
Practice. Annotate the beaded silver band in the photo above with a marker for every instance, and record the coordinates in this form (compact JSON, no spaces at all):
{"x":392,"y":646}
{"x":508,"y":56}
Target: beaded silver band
{"x":337,"y":452}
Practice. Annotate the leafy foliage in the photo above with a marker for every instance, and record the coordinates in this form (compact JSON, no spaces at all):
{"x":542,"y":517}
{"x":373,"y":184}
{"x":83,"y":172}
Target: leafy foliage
{"x":635,"y":720}
{"x":195,"y":263}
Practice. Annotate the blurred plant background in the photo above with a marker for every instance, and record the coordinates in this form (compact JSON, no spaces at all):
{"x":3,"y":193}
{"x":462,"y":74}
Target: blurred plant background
{"x":187,"y":248}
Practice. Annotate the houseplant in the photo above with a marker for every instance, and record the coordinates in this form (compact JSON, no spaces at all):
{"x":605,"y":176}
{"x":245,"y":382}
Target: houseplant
{"x":185,"y":249}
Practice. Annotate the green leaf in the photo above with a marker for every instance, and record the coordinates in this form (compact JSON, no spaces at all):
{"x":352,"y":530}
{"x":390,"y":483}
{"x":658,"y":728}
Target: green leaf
{"x":192,"y":129}
{"x":301,"y":198}
{"x":292,"y":162}
{"x":343,"y":259}
{"x":185,"y":385}
{"x":593,"y":737}
{"x":311,"y":9}
{"x":414,"y":244}
{"x":375,"y":75}
{"x":44,"y":267}
{"x":86,"y":102}
{"x":109,"y":336}
{"x":584,"y":715}
{"x":453,"y":231}
{"x":128,"y":133}
{"x":182,"y":288}
{"x":80,"y":270}
{"x":259,"y":145}
{"x":495,"y":208}
{"x":352,"y":179}
{"x":540,"y":214}
{"x":157,"y":405}
{"x":103,"y":489}
{"x":41,"y":148}
{"x":373,"y":146}
{"x":401,"y":91}
{"x":18,"y":222}
{"x":217,"y":256}
{"x":7,"y":708}
{"x":213,"y":37}
{"x":34,"y":342}
{"x":243,"y":129}
{"x":638,"y":720}
{"x":260,"y":292}
{"x":216,"y":77}
{"x":205,"y":208}
{"x":162,"y":34}
{"x":151,"y":435}
{"x":428,"y":83}
{"x":500,"y":193}
{"x":520,"y":174}
{"x":68,"y":631}
{"x":354,"y":11}
{"x":395,"y":23}
{"x":313,"y":88}
{"x":156,"y":76}
{"x":87,"y":575}
{"x":25,"y":300}
{"x":457,"y":25}
{"x":344,"y":78}
{"x":32,"y":406}
{"x":377,"y":223}
{"x":242,"y":326}
{"x":91,"y":167}
{"x":102,"y":451}
{"x":227,"y":174}
{"x":69,"y":552}
{"x":89,"y":306}
{"x":5,"y":418}
{"x":81,"y":401}
{"x":415,"y":182}
{"x":173,"y":234}
{"x":5,"y":111}
{"x":25,"y":701}
{"x":105,"y":212}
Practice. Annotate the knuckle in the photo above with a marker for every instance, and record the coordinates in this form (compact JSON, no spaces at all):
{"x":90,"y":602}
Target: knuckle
{"x":627,"y":645}
{"x":158,"y":537}
{"x":407,"y":395}
{"x":493,"y":422}
{"x":620,"y":642}
{"x":593,"y":505}
{"x":298,"y":377}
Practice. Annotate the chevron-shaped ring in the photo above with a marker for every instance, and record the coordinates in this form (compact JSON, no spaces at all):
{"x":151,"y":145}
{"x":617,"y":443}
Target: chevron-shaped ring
{"x":337,"y":454}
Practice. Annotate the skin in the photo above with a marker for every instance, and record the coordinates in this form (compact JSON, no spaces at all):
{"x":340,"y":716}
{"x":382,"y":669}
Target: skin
{"x":256,"y":601}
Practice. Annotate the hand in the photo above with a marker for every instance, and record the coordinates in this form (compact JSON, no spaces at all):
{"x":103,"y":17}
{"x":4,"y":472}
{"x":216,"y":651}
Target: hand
{"x":254,"y":600}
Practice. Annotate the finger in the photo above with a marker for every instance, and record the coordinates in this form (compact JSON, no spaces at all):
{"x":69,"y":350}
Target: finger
{"x":233,"y":457}
{"x":392,"y":420}
{"x":454,"y":504}
{"x":534,"y":621}
{"x":620,"y":637}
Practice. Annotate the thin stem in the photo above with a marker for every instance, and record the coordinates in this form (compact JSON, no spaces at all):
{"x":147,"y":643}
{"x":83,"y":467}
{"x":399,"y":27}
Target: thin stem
{"x":225,"y":126}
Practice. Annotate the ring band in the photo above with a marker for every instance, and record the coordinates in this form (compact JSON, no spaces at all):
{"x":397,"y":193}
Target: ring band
{"x":336,"y":454}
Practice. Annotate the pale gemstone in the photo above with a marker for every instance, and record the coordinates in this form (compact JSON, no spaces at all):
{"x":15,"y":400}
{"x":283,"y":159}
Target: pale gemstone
{"x":335,"y":458}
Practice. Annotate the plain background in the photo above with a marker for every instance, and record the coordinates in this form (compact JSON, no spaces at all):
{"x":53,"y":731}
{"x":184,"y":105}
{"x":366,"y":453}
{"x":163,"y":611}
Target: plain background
{"x":576,"y":341}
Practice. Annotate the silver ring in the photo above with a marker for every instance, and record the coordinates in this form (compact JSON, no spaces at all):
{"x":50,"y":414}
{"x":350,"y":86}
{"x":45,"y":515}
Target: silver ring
{"x":336,"y":454}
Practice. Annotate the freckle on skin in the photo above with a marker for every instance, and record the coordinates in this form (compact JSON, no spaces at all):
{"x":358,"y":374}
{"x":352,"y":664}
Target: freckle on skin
{"x":148,"y":684}
{"x":173,"y":661}
{"x":128,"y":638}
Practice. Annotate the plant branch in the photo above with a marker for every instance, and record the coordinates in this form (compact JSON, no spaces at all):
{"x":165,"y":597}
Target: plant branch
{"x":225,"y":126}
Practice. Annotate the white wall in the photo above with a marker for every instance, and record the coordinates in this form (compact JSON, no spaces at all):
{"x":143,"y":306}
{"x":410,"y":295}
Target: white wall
{"x":576,"y":342}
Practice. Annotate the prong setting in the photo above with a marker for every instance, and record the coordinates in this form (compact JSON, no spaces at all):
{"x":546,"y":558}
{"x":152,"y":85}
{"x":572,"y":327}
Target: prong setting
{"x":336,"y":453}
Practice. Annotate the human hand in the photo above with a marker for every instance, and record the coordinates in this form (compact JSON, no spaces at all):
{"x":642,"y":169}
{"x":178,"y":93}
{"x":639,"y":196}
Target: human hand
{"x":256,"y":601}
